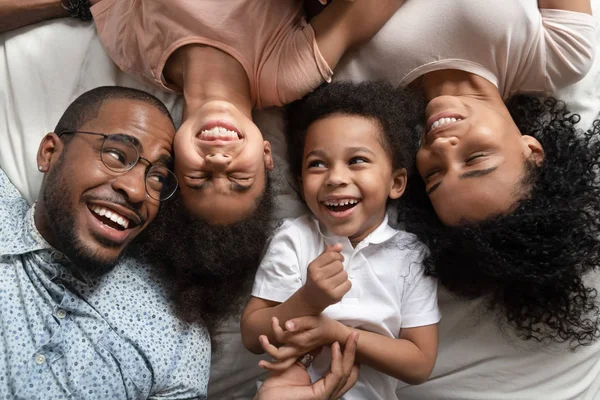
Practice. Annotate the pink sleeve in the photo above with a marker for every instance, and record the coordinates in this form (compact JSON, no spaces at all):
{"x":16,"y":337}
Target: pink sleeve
{"x":569,"y":40}
{"x":294,"y":68}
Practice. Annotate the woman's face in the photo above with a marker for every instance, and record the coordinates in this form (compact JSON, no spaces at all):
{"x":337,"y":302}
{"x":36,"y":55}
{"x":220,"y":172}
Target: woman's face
{"x":472,"y":158}
{"x":221,"y":161}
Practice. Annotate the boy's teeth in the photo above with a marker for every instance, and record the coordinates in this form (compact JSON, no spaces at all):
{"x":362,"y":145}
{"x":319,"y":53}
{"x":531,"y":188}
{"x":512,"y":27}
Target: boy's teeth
{"x":340,"y":203}
{"x":112,"y":215}
{"x":444,"y":121}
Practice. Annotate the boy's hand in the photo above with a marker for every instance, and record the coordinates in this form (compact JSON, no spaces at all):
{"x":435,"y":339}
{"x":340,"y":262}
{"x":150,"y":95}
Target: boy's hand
{"x":326,"y":281}
{"x":302,"y":335}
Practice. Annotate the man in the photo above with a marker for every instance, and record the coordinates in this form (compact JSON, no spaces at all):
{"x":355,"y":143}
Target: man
{"x":78,"y":318}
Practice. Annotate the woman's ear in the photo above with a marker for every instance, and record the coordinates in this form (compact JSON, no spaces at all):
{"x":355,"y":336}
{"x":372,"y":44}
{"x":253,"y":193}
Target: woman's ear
{"x":533,"y":149}
{"x":267,"y":155}
{"x":49,"y":151}
{"x":399,"y":179}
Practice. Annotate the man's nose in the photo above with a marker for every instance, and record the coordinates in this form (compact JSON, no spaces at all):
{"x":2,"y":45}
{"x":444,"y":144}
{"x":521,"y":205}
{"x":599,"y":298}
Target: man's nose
{"x":132,"y":184}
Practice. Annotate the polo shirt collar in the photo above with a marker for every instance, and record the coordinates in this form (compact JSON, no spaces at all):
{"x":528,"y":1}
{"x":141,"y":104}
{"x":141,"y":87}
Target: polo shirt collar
{"x":381,"y":234}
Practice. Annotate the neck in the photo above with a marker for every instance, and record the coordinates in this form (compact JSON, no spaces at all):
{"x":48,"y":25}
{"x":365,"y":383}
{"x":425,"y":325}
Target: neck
{"x":41,"y":223}
{"x":451,"y":82}
{"x":204,"y":74}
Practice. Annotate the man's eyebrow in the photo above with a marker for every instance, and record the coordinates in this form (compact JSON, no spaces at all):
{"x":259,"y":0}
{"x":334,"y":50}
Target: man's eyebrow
{"x":467,"y":175}
{"x":165,"y":160}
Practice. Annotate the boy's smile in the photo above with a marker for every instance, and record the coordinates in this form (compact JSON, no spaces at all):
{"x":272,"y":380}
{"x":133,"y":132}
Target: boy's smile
{"x":347,"y":175}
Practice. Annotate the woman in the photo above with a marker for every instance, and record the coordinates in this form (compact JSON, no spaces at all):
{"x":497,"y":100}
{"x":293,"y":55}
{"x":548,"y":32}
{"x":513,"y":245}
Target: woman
{"x":226,"y":60}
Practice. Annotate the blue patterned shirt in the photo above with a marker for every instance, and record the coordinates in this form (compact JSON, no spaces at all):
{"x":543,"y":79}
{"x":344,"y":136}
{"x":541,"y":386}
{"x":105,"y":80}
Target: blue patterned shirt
{"x":66,"y":336}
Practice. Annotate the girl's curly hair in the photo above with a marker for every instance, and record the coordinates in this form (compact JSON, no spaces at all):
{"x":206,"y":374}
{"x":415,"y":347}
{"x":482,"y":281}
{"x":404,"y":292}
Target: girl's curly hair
{"x":530,"y":264}
{"x":209,"y":268}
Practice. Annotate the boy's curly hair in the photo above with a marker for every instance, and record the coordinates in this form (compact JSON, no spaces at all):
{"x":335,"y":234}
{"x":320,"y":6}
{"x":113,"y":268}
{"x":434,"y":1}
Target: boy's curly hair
{"x":397,"y":111}
{"x":531,"y":263}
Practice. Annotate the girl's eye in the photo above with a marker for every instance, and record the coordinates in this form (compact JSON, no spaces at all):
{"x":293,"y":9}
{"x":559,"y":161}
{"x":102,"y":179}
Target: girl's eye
{"x":358,"y":160}
{"x":316,"y":164}
{"x":474,"y":157}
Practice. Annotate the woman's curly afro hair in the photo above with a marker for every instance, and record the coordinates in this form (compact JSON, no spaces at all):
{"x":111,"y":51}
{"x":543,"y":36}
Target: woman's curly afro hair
{"x":530,"y":264}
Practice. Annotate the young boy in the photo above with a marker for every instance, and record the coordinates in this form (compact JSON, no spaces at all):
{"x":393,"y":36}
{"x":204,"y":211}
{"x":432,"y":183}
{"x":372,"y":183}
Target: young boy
{"x":344,"y":267}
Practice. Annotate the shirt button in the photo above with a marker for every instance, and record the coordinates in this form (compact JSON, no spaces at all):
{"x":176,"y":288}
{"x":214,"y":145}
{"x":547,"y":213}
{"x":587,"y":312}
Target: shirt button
{"x":60,"y":313}
{"x":40,"y":359}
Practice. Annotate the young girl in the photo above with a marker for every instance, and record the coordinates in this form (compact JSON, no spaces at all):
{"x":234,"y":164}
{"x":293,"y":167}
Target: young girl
{"x":343,"y":267}
{"x":227,"y":58}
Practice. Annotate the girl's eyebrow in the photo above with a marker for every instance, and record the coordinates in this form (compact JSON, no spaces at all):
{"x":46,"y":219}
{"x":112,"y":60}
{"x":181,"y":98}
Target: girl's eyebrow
{"x":359,"y":150}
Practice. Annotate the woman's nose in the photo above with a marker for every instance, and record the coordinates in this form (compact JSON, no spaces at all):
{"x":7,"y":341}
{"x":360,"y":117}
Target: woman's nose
{"x":218,"y":160}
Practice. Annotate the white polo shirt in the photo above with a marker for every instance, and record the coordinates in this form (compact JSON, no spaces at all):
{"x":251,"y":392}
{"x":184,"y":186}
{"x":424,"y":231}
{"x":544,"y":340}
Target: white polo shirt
{"x":389,"y":289}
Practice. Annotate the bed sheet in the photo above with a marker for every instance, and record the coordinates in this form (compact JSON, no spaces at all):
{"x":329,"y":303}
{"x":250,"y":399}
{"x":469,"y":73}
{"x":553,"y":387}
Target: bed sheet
{"x":45,"y":67}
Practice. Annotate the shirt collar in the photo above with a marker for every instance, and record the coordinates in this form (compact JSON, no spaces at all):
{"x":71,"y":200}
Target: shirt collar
{"x":26,"y":238}
{"x":381,"y":234}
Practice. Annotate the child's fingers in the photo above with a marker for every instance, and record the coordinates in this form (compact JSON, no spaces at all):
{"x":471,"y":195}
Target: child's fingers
{"x":337,"y":279}
{"x":280,"y":335}
{"x":302,"y":324}
{"x":334,"y":247}
{"x":331,"y":269}
{"x":278,"y":366}
{"x":278,"y":354}
{"x":340,"y":290}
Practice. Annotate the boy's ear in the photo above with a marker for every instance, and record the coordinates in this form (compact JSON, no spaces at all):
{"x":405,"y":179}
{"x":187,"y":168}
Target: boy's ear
{"x":399,"y":179}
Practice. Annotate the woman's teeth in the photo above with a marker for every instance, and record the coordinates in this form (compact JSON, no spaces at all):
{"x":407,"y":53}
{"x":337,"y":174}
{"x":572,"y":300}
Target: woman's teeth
{"x":218,"y":132}
{"x":443,"y":121}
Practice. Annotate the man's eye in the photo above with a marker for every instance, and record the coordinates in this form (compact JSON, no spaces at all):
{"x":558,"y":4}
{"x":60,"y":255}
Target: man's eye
{"x":116,"y":155}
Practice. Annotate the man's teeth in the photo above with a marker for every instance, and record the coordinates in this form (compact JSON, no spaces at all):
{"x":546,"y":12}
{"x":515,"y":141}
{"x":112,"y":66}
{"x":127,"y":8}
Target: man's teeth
{"x":340,"y":203}
{"x":218,"y":132}
{"x":444,"y":121}
{"x":112,"y":215}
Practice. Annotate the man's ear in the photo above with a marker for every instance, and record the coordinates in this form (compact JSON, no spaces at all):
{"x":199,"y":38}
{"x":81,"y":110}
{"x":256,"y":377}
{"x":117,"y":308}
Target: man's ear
{"x":49,"y":151}
{"x":268,"y":155}
{"x":399,"y":180}
{"x":533,"y":149}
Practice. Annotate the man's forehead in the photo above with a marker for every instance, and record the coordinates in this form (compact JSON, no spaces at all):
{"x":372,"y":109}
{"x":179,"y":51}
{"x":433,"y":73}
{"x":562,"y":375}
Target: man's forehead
{"x":150,"y":127}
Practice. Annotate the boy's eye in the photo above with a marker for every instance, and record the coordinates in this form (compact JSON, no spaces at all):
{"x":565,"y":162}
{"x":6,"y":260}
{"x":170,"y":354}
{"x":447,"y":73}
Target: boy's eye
{"x":358,"y":160}
{"x":430,"y":175}
{"x":316,"y":164}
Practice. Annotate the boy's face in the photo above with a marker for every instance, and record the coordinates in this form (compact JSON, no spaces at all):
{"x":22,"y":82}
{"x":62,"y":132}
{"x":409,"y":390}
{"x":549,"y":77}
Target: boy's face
{"x":347,"y":175}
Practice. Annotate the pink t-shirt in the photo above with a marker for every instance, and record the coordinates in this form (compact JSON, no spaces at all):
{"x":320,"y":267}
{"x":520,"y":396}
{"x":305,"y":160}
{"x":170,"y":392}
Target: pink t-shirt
{"x":271,"y":39}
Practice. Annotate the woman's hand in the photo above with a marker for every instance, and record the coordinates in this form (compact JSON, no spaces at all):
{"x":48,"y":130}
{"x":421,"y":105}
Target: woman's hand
{"x":294,"y":383}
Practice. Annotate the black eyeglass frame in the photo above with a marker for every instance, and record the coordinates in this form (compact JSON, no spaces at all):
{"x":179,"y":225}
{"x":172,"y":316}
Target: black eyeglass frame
{"x":139,"y":157}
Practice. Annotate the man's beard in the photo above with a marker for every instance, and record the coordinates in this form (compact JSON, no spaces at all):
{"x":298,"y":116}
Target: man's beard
{"x":61,"y":220}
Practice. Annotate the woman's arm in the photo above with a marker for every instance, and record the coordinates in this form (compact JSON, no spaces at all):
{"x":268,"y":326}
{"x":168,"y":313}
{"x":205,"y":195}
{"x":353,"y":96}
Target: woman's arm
{"x":344,"y":24}
{"x":582,"y":6}
{"x":17,"y":13}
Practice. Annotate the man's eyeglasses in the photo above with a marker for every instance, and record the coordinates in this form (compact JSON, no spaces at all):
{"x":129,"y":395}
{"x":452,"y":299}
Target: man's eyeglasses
{"x":119,"y":153}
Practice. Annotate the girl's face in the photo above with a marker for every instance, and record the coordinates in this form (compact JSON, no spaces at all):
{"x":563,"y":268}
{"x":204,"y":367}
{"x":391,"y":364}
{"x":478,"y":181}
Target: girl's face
{"x":221,"y":161}
{"x":472,"y":159}
{"x":347,"y":175}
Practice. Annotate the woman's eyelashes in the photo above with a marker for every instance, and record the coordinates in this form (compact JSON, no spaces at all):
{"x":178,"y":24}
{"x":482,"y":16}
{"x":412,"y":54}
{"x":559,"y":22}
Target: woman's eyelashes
{"x":475,"y":158}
